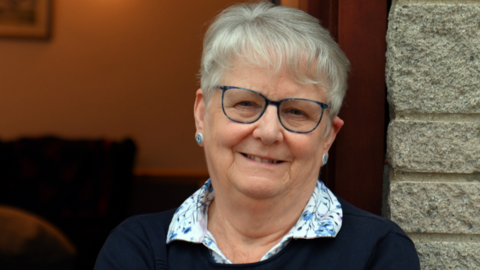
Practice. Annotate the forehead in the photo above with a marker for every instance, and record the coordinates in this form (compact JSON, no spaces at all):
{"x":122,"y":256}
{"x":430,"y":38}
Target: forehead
{"x":275,"y":85}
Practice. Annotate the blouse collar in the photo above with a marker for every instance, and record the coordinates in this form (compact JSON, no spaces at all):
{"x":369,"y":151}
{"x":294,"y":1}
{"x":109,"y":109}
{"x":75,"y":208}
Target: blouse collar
{"x":321,"y":217}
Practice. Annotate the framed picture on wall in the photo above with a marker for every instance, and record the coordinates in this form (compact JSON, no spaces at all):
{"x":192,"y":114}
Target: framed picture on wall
{"x":25,"y":18}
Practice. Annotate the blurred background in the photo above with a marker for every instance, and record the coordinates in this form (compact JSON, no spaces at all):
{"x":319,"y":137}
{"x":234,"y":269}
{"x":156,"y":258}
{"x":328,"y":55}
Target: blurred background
{"x":96,"y":120}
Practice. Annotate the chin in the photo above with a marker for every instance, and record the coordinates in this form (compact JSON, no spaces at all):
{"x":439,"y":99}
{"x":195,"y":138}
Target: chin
{"x":260,"y":188}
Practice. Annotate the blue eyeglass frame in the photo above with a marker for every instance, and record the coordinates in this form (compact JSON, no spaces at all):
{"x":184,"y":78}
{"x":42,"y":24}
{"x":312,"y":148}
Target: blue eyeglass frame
{"x":268,"y":102}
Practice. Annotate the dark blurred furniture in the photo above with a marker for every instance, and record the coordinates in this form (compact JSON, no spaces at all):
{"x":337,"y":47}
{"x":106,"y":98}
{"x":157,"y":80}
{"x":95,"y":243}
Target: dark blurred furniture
{"x":81,"y":186}
{"x":29,"y":242}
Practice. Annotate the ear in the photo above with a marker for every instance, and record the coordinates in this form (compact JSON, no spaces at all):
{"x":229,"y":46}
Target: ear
{"x":199,"y":111}
{"x":337,"y":124}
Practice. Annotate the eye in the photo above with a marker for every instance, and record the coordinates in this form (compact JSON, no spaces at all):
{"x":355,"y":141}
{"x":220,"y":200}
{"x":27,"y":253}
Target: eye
{"x":295,"y":115}
{"x":295,"y":112}
{"x":245,"y":104}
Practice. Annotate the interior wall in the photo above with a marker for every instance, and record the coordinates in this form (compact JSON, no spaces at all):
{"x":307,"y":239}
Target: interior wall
{"x":111,"y":69}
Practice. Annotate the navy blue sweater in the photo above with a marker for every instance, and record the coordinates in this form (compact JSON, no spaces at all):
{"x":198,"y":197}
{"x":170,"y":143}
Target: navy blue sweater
{"x":365,"y":241}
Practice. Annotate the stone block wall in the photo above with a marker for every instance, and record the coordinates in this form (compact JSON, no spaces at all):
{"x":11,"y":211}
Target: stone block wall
{"x":433,"y":142}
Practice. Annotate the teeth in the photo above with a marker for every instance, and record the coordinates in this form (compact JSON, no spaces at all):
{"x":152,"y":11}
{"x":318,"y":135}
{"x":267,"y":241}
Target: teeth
{"x":262,"y":159}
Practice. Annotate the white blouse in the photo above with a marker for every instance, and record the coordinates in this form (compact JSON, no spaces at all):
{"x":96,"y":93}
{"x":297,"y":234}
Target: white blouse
{"x":321,"y":217}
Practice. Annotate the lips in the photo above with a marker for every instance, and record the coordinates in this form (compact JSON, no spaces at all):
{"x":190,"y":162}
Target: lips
{"x":259,"y":159}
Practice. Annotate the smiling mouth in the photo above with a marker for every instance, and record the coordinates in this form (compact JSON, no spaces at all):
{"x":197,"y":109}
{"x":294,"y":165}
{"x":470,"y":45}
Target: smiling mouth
{"x":252,"y":157}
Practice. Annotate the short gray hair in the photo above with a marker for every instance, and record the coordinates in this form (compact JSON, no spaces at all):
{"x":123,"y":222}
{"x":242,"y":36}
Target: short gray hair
{"x":264,"y":34}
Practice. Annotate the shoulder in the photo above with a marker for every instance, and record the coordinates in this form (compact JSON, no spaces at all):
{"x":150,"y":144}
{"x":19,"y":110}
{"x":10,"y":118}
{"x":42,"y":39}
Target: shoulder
{"x":137,"y":243}
{"x":382,"y":241}
{"x":147,"y":222}
{"x":358,"y":221}
{"x":147,"y":231}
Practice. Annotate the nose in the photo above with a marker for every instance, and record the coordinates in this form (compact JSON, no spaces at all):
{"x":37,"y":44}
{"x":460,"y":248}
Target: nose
{"x":268,"y":127}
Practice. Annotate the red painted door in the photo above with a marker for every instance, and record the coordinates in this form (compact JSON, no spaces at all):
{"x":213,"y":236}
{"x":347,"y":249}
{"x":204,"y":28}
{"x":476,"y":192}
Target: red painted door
{"x":355,"y":169}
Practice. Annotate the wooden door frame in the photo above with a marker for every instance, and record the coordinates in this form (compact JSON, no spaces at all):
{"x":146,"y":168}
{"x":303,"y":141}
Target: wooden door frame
{"x":355,"y":169}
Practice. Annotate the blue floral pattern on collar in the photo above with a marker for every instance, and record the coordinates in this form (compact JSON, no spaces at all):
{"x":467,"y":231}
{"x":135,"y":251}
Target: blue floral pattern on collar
{"x":321,"y":217}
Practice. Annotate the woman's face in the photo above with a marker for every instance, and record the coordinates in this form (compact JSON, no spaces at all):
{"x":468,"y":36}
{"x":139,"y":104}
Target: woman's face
{"x":237,"y":153}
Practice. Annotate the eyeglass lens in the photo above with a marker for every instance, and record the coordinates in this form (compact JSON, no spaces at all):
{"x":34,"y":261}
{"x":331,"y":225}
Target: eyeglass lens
{"x":247,"y":107}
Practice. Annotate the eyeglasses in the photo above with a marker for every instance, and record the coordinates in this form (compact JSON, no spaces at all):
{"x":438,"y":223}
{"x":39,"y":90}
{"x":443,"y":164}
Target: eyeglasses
{"x":246,"y":106}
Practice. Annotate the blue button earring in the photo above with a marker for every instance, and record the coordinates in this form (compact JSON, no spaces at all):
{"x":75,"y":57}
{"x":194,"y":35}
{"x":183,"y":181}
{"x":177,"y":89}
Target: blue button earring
{"x":325,"y":159}
{"x":199,"y":138}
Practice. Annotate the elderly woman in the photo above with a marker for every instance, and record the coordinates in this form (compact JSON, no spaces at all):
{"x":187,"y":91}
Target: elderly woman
{"x":272,"y":83}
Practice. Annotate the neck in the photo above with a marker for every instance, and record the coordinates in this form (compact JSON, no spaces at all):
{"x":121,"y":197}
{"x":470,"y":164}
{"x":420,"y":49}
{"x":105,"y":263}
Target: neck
{"x":246,"y":228}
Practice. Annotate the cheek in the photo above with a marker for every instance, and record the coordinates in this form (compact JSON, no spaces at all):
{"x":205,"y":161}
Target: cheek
{"x":306,"y":150}
{"x":222,"y":134}
{"x":213,"y":123}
